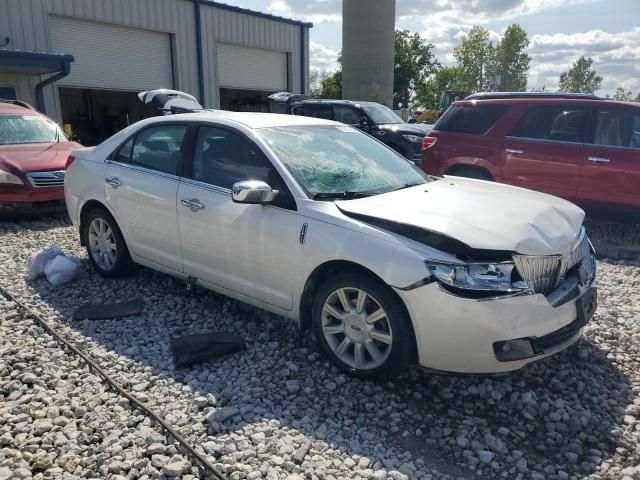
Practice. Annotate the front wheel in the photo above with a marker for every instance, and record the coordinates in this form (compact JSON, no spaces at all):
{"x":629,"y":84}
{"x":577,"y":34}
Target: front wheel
{"x":362,"y":327}
{"x":105,"y":244}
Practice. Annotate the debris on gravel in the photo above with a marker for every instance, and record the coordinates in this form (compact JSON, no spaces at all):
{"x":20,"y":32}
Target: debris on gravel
{"x":280,"y":410}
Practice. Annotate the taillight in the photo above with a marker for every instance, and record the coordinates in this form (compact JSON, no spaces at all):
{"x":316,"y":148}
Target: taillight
{"x":428,"y":142}
{"x":70,"y":160}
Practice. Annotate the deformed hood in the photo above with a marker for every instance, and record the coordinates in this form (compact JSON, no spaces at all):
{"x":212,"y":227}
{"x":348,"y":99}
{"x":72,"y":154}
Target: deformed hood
{"x":482,"y":215}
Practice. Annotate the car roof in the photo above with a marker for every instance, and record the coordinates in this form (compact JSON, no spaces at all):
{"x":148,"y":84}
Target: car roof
{"x":249,"y":119}
{"x":12,"y":108}
{"x":339,"y":102}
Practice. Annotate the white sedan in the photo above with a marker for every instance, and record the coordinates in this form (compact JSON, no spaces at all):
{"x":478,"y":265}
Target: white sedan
{"x":323,"y":224}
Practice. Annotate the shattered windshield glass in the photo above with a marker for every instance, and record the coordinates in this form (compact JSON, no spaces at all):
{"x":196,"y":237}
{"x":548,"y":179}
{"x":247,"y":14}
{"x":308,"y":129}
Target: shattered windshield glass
{"x":340,"y":161}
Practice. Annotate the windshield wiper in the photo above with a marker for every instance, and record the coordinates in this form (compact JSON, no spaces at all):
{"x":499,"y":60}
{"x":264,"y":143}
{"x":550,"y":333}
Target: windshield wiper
{"x":348,"y":195}
{"x":406,"y":185}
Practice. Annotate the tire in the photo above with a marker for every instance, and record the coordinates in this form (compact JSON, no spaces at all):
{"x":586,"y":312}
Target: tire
{"x":109,"y":255}
{"x":342,"y":335}
{"x":472,"y":173}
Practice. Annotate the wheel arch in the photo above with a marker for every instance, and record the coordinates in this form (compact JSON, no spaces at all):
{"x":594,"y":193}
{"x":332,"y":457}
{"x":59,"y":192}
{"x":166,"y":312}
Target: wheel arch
{"x":87,"y":207}
{"x":458,"y":167}
{"x":334,"y":267}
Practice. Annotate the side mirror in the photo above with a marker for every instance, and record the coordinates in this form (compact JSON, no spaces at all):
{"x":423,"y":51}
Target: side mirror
{"x":253,"y":191}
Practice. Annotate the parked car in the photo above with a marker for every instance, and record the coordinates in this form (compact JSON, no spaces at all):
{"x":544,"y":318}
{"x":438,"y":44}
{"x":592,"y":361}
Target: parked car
{"x":579,"y":147}
{"x":316,"y":221}
{"x":33,"y":153}
{"x":370,"y":117}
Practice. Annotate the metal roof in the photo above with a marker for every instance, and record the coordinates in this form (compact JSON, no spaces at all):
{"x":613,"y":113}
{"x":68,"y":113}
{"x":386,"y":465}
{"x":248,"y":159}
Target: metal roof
{"x":254,"y":13}
{"x":33,"y":62}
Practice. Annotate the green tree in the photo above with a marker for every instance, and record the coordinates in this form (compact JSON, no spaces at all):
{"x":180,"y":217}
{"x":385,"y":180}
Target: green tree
{"x":623,"y":95}
{"x":414,"y":63}
{"x":325,"y":84}
{"x":511,"y":62}
{"x":445,"y":78}
{"x":580,"y":78}
{"x":475,"y":58}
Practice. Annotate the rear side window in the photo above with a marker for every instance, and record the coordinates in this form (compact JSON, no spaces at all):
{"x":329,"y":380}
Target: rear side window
{"x":617,"y":128}
{"x":156,"y":148}
{"x":318,"y":110}
{"x":558,"y":123}
{"x":470,"y":118}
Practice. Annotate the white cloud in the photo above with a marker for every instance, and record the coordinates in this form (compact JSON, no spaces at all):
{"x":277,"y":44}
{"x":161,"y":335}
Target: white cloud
{"x":321,"y":57}
{"x":615,"y":56}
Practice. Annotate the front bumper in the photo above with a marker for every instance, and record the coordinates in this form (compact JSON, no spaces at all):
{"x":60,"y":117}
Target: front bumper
{"x":19,"y":199}
{"x":461,"y":335}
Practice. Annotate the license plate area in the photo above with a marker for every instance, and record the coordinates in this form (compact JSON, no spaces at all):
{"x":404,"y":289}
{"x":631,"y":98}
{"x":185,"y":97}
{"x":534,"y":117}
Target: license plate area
{"x":586,"y":305}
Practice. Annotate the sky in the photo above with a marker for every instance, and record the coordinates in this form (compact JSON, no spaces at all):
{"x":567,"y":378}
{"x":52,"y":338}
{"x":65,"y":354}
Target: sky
{"x":560,"y":31}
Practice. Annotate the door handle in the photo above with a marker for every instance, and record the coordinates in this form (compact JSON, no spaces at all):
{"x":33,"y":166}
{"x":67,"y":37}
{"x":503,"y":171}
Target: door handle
{"x":194,"y":204}
{"x":513,"y":151}
{"x":113,"y":181}
{"x":598,"y":159}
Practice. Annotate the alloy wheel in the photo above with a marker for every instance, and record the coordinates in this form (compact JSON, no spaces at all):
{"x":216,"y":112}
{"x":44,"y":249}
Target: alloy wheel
{"x":102,"y":244}
{"x":356,"y":328}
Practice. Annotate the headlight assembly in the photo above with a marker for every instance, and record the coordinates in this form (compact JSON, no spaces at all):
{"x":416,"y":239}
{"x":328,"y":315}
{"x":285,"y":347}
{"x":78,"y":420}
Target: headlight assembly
{"x":500,"y":277}
{"x":413,"y":138}
{"x":6,"y":177}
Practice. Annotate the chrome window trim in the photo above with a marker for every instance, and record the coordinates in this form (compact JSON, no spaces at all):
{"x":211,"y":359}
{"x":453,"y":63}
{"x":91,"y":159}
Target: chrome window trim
{"x":206,"y":186}
{"x":543,"y":140}
{"x":139,"y":169}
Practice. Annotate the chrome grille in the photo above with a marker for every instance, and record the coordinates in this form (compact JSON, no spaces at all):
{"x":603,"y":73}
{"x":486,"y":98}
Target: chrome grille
{"x":543,"y":273}
{"x":46,"y":179}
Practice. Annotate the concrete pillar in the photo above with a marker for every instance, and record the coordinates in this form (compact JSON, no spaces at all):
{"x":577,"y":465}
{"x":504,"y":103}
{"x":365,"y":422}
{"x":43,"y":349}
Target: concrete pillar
{"x":367,"y":50}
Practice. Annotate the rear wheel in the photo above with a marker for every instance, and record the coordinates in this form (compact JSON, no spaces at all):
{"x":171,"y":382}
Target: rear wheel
{"x":361,"y":326}
{"x":105,"y":244}
{"x":468,"y":172}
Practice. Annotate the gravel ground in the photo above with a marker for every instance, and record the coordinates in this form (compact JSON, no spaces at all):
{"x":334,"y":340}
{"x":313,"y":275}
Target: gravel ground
{"x":279,"y":410}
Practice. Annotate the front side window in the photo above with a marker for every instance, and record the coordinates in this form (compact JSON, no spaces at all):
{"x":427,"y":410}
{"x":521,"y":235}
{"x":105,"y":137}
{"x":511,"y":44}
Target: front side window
{"x":558,"y":123}
{"x":470,"y":118}
{"x":341,"y":160}
{"x":346,"y":114}
{"x":157,"y":148}
{"x":223,"y":157}
{"x":617,"y":128}
{"x":381,"y":115}
{"x":17,"y":129}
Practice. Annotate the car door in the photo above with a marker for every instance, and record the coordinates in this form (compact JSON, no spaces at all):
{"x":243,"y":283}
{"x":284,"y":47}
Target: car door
{"x":240,"y":247}
{"x":611,"y":165}
{"x":544,"y":150}
{"x":141,"y":186}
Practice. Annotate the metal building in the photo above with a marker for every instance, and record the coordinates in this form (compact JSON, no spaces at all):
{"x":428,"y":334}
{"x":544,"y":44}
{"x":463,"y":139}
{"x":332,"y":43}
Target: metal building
{"x":368,"y":46}
{"x":82,"y":61}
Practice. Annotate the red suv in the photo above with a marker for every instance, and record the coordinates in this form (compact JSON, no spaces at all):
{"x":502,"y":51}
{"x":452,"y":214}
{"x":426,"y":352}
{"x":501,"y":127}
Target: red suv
{"x":579,"y":147}
{"x":33,"y":156}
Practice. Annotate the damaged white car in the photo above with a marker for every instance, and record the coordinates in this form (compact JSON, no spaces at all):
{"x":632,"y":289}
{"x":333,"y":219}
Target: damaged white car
{"x":321,"y":223}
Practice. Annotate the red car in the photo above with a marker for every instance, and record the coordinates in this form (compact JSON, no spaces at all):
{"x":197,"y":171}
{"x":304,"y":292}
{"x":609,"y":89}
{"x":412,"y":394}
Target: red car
{"x":33,"y":156}
{"x":579,"y":147}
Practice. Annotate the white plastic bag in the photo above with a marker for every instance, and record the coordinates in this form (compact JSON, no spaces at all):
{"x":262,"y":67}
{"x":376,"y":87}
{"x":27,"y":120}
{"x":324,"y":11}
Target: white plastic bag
{"x":62,"y":269}
{"x":38,"y":260}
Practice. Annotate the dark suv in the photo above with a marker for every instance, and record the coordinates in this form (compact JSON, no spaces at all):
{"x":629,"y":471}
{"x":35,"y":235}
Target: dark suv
{"x":370,"y":117}
{"x":579,"y":147}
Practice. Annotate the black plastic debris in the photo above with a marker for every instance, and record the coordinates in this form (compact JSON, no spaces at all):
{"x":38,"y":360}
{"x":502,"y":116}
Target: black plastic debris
{"x":108,"y":310}
{"x":194,"y":349}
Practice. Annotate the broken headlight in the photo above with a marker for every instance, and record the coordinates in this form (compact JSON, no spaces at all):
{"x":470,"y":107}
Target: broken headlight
{"x":501,"y":277}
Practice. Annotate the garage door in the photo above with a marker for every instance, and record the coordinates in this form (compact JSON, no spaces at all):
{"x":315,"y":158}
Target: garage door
{"x":112,"y":57}
{"x":251,"y":68}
